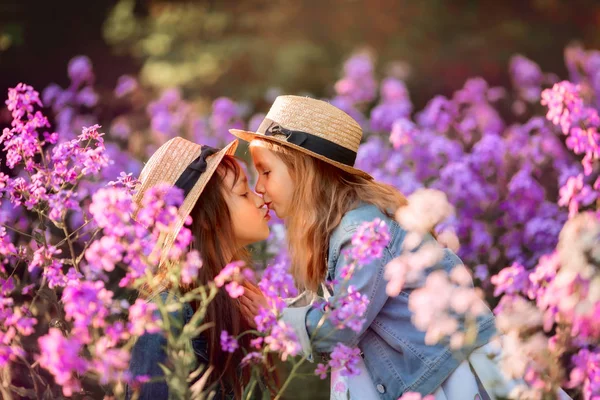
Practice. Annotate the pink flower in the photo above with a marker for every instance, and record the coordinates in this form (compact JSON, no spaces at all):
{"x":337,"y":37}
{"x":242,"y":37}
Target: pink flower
{"x":415,"y":396}
{"x":61,"y":357}
{"x":234,"y":289}
{"x":143,"y":318}
{"x":426,"y":208}
{"x":283,"y":340}
{"x":322,"y":370}
{"x":190,"y":268}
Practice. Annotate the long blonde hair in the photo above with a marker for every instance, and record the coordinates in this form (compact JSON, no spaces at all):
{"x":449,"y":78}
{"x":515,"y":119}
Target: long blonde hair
{"x":322,"y":195}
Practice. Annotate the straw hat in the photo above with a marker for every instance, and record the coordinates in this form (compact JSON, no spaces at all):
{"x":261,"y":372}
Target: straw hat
{"x":313,"y":127}
{"x":167,"y":165}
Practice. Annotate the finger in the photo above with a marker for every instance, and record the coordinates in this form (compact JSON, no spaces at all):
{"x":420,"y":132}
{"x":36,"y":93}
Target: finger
{"x":252,"y":287}
{"x":253,"y":296}
{"x":248,"y":316}
{"x":246,"y":301}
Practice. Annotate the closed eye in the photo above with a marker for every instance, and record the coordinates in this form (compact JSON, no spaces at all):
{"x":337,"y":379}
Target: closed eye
{"x":266,"y":173}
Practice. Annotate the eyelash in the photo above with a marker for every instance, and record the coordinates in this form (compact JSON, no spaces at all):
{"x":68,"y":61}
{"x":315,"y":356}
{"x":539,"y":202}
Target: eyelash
{"x":245,"y":194}
{"x":266,"y":173}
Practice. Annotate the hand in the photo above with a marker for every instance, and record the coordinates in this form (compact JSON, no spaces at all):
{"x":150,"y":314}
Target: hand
{"x":251,"y":302}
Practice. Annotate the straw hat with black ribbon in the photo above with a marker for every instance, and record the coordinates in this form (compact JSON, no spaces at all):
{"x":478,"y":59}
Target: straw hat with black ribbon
{"x":186,"y":165}
{"x":313,"y":127}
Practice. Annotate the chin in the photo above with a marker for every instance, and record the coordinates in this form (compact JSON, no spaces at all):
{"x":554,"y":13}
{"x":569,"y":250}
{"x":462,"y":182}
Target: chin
{"x":266,"y":234}
{"x":280,"y":215}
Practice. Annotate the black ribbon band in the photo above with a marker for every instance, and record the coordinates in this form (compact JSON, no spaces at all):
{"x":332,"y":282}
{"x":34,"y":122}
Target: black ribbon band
{"x":314,"y":143}
{"x":190,"y":176}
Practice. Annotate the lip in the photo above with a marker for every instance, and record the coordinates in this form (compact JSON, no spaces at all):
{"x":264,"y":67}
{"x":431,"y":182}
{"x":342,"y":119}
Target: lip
{"x":267,"y":209}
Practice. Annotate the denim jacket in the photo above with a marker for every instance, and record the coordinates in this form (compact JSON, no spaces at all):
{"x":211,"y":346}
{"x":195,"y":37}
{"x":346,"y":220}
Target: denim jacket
{"x":393,"y":349}
{"x":149,"y":350}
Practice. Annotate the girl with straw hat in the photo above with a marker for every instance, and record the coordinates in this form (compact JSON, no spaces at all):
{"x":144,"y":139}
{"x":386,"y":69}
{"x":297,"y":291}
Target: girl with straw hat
{"x":226,"y":216}
{"x":304,"y":153}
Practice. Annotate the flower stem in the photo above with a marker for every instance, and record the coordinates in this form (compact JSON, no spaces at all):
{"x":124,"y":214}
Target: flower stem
{"x":290,"y":376}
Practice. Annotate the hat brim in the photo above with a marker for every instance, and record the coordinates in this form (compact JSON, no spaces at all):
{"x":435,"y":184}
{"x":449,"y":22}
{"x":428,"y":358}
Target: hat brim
{"x":248,"y":136}
{"x":192,"y":198}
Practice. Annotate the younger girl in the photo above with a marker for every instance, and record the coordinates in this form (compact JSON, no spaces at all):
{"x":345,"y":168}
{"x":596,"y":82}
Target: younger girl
{"x":226,"y":216}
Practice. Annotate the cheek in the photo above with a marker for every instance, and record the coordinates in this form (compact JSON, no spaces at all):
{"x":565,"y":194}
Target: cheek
{"x":287,"y":190}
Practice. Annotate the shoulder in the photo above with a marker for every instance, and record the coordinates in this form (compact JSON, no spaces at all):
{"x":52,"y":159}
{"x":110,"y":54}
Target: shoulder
{"x":361,"y":214}
{"x":355,"y":218}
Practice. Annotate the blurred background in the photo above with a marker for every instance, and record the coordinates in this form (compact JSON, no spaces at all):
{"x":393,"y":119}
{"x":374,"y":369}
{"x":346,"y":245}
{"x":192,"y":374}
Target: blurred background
{"x":149,"y":70}
{"x":243,"y":49}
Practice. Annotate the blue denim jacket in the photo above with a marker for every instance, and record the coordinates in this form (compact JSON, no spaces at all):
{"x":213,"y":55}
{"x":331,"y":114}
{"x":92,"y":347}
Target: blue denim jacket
{"x":149,"y":350}
{"x":393,"y":349}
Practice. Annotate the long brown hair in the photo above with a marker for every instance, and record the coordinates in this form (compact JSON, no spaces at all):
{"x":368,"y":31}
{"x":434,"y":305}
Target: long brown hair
{"x":322,"y":195}
{"x":214,"y":239}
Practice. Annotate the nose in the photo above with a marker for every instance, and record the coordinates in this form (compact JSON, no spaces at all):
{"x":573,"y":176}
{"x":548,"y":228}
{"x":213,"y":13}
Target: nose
{"x":259,"y":187}
{"x":258,"y":200}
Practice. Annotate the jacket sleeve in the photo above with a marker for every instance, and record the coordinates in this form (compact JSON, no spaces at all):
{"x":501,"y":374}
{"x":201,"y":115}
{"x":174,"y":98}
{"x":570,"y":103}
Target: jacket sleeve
{"x":368,"y":280}
{"x":148,"y":351}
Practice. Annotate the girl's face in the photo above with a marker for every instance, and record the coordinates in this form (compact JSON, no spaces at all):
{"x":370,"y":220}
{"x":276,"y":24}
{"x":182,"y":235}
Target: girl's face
{"x":274,"y":181}
{"x":248,"y":214}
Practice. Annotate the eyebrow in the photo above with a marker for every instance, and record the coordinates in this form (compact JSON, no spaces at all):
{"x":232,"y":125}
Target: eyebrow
{"x":259,"y":165}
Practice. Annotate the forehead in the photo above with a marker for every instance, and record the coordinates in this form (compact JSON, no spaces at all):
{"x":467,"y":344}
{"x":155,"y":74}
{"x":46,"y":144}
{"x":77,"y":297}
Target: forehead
{"x":261,"y":155}
{"x":233,"y":179}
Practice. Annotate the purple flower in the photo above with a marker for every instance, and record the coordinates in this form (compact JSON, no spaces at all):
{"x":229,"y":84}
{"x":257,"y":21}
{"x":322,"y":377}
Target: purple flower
{"x":511,"y":280}
{"x":488,"y":157}
{"x":143,"y":318}
{"x":226,"y":114}
{"x":358,"y":84}
{"x":87,"y":304}
{"x":87,"y":97}
{"x":265,"y":320}
{"x":110,"y":364}
{"x":112,"y":208}
{"x":565,"y":106}
{"x":61,"y":357}
{"x":403,"y":132}
{"x":385,"y":115}
{"x":277,"y":282}
{"x":6,"y":246}
{"x":322,"y":370}
{"x":191,"y":266}
{"x":393,"y":89}
{"x":21,"y":100}
{"x":587,"y":371}
{"x":575,"y":193}
{"x":228,"y":342}
{"x":283,"y":340}
{"x":481,"y":272}
{"x":527,"y":77}
{"x":369,"y":241}
{"x":438,"y":115}
{"x":126,"y":180}
{"x":348,"y":309}
{"x":125,"y":85}
{"x":80,"y":70}
{"x":235,"y":271}
{"x":345,"y":359}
